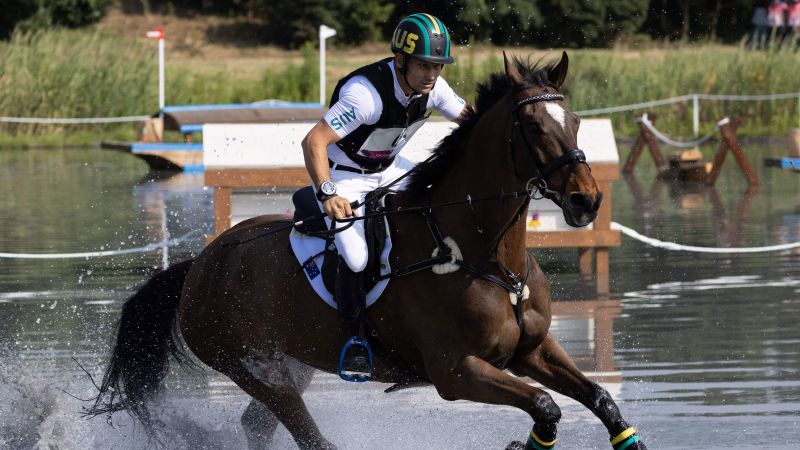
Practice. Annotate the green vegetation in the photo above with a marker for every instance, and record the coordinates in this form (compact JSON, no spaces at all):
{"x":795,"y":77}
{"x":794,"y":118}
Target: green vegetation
{"x":88,"y":73}
{"x":69,"y":74}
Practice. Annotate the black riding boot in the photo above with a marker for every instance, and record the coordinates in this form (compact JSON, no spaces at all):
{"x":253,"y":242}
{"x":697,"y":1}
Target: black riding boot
{"x":350,"y":296}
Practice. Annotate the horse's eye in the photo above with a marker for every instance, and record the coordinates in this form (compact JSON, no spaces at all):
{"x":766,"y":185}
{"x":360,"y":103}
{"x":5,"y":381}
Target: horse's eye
{"x":534,"y":127}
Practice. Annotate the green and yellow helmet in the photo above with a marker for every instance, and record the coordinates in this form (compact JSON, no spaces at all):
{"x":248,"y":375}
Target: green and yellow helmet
{"x":423,"y":36}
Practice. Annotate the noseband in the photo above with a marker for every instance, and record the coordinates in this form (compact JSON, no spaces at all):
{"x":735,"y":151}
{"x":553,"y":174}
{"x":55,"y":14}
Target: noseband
{"x":539,"y":180}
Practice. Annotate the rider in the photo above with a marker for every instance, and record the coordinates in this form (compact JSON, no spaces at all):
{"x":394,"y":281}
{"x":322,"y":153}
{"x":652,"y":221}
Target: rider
{"x":354,"y":148}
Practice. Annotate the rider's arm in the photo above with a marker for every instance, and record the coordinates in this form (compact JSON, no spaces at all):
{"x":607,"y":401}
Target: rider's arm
{"x":464,"y":113}
{"x":315,"y":154}
{"x":446,"y":101}
{"x":315,"y":151}
{"x":358,"y":103}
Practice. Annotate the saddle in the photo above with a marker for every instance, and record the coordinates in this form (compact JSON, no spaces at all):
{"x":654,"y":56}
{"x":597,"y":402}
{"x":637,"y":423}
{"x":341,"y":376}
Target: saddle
{"x":376,"y":233}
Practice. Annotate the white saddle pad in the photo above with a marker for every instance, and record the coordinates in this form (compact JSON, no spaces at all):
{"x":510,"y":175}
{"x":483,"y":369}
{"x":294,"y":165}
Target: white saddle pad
{"x":305,"y":247}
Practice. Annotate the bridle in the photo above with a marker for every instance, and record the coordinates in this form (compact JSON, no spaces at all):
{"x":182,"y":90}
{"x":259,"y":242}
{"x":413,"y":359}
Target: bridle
{"x":539,"y":180}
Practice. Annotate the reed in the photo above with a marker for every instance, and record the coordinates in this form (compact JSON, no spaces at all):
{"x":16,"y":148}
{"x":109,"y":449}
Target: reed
{"x":91,"y":73}
{"x":603,"y":78}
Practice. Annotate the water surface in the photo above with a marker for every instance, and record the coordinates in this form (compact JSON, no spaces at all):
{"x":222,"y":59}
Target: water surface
{"x":701,"y":350}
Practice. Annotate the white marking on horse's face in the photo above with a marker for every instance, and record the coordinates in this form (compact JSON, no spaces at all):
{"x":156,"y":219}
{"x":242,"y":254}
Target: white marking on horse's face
{"x":557,"y":113}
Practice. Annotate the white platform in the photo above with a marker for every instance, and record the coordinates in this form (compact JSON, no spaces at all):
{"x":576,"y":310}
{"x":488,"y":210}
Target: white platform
{"x":228,"y":146}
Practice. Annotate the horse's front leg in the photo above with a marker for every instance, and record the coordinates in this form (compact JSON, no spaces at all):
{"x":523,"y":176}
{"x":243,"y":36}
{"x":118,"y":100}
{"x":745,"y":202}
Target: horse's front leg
{"x":550,"y":365}
{"x":471,"y":378}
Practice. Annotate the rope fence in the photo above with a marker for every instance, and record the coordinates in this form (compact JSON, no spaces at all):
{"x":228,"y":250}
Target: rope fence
{"x":79,"y":120}
{"x":695,"y":98}
{"x":99,"y":254}
{"x":614,"y":225}
{"x":691,"y":248}
{"x":680,"y":144}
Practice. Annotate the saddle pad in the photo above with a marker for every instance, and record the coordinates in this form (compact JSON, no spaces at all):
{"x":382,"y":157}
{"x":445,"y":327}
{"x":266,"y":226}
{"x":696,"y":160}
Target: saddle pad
{"x":305,"y":247}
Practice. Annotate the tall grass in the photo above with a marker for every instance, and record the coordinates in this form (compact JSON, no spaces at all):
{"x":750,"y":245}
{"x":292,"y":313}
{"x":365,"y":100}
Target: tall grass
{"x":67,"y":73}
{"x":603,"y":78}
{"x":88,"y":73}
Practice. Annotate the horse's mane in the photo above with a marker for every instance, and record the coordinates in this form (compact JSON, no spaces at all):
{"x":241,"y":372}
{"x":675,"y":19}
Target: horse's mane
{"x":489,"y":92}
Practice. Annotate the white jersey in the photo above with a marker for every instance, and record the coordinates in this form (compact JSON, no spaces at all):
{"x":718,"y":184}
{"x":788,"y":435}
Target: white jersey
{"x":360,"y":104}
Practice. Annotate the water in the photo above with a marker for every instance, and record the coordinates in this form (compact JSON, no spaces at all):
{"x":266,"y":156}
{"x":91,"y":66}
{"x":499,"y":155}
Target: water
{"x":700,"y":350}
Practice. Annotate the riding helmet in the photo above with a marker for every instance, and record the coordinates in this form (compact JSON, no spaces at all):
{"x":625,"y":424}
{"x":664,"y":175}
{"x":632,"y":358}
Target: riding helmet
{"x":423,"y":36}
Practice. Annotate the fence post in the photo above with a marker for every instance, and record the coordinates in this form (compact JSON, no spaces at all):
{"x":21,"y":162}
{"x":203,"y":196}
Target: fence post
{"x":696,"y":115}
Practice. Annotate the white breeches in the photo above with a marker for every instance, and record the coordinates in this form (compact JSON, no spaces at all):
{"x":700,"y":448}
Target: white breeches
{"x":351,"y":243}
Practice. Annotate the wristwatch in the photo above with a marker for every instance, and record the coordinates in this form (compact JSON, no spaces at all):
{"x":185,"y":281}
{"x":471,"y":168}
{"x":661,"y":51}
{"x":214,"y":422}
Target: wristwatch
{"x":326,"y":190}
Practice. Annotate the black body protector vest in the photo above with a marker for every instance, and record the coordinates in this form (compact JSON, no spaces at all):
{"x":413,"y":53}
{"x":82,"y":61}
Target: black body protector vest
{"x":373,"y":147}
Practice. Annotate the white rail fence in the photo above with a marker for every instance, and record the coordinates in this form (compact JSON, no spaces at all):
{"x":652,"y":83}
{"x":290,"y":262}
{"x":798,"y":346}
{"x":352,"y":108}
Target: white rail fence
{"x":694,"y":98}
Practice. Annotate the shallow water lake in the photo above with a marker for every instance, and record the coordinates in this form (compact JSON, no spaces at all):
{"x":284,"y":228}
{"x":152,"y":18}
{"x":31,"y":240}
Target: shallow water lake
{"x":701,"y":350}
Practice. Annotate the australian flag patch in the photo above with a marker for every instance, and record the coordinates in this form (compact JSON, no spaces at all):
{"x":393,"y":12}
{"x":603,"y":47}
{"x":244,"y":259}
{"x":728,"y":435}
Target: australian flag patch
{"x":312,"y":270}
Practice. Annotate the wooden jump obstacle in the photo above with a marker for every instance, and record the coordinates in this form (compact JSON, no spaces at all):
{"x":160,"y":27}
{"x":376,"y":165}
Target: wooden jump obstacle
{"x":269,"y":155}
{"x":689,"y":165}
{"x":189,"y":119}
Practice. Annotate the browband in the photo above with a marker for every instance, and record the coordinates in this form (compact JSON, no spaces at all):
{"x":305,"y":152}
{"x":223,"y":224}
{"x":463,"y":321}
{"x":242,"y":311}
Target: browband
{"x":538,"y":98}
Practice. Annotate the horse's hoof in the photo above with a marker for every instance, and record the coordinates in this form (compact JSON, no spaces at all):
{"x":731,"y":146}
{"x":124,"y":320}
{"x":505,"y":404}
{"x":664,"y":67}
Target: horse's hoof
{"x":515,"y":445}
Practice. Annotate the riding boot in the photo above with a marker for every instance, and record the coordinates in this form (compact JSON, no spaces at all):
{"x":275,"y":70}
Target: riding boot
{"x":356,"y":360}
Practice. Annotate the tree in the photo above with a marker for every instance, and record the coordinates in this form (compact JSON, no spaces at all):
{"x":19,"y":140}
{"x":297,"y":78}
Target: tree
{"x":698,"y":19}
{"x":14,"y":11}
{"x":356,"y":21}
{"x":589,"y":22}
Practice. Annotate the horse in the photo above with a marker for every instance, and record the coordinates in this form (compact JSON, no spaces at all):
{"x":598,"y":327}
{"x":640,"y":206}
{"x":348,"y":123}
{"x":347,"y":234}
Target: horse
{"x":473,"y":328}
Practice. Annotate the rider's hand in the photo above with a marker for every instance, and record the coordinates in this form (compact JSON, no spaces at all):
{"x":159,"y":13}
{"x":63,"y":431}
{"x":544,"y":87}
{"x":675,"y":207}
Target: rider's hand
{"x":338,"y":208}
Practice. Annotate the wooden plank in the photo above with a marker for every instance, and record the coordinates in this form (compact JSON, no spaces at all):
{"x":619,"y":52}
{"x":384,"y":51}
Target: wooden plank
{"x":298,"y":176}
{"x":571,"y":239}
{"x":256,"y":178}
{"x":605,"y":172}
{"x":179,"y":158}
{"x":585,"y":260}
{"x":222,"y":209}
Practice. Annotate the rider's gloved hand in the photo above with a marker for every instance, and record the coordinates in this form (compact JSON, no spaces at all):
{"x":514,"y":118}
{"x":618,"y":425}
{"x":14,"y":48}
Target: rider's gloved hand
{"x":338,"y":208}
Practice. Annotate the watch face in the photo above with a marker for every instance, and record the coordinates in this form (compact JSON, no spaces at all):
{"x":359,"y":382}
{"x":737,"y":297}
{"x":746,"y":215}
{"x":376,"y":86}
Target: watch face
{"x":328,"y":188}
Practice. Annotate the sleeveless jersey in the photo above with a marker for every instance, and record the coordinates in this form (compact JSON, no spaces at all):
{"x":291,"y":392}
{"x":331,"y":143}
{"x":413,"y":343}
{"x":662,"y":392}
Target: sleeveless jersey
{"x":372,"y":122}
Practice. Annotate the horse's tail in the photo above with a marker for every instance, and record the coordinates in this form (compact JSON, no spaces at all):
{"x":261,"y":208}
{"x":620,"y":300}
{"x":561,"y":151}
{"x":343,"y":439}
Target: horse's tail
{"x":146,"y":337}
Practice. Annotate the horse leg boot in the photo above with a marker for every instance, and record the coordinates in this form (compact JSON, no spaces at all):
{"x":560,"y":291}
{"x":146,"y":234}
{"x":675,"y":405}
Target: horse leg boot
{"x":550,"y":365}
{"x":355,"y":361}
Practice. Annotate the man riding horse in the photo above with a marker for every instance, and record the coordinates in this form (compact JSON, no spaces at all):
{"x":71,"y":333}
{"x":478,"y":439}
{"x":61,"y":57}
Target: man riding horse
{"x":354,"y":149}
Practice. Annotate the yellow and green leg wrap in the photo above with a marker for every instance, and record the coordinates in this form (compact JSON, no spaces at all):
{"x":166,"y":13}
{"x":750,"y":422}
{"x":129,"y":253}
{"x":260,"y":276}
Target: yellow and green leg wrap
{"x":625,"y":439}
{"x":536,"y":443}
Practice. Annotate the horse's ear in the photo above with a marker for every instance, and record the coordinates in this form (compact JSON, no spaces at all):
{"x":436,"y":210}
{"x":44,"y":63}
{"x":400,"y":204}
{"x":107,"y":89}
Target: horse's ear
{"x":558,"y":74}
{"x":512,"y":71}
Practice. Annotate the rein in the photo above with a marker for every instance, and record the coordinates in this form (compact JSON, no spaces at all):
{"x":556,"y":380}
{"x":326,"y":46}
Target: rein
{"x":535,"y":188}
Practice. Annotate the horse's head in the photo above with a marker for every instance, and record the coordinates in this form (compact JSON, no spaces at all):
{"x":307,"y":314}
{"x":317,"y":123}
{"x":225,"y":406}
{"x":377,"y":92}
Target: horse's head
{"x":544,"y":141}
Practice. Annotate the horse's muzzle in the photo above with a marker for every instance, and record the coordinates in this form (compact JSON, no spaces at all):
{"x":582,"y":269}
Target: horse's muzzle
{"x":580,"y":209}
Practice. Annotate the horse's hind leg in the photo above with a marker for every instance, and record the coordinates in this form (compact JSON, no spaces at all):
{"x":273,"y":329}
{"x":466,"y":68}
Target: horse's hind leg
{"x":276,"y":383}
{"x":258,"y":421}
{"x":550,"y":365}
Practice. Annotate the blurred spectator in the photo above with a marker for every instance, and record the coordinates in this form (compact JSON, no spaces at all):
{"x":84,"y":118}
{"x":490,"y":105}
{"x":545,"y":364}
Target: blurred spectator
{"x":776,"y":15}
{"x":794,"y":20}
{"x":760,"y":34}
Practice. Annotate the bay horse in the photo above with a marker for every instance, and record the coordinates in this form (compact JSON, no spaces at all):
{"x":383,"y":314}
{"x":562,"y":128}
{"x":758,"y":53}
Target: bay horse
{"x":248,"y":311}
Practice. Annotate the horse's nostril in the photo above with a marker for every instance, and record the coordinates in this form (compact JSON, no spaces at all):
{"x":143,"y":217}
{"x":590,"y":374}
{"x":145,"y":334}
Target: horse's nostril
{"x":581,"y":201}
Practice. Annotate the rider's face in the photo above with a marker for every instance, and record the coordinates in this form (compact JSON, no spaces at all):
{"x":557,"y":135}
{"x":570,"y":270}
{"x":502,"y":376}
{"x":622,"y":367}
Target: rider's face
{"x":421,"y":75}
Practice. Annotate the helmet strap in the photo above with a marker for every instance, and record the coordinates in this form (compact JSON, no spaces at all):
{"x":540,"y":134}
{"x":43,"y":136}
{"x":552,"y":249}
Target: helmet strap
{"x":404,"y":71}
